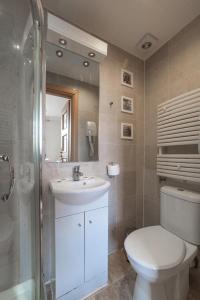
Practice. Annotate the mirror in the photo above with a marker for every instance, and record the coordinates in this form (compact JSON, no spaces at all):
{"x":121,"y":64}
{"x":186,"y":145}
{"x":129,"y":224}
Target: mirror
{"x":72,"y":106}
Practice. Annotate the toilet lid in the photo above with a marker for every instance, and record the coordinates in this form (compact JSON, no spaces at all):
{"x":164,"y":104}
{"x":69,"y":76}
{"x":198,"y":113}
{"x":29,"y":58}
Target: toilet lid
{"x":6,"y":227}
{"x":155,"y":248}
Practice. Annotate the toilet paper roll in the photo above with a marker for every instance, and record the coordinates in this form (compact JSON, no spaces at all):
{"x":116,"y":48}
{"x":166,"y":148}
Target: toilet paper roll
{"x":113,"y":169}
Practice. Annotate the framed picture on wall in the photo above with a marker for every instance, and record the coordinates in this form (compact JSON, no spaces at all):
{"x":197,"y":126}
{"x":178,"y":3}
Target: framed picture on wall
{"x":127,"y":105}
{"x":127,"y":131}
{"x":127,"y":78}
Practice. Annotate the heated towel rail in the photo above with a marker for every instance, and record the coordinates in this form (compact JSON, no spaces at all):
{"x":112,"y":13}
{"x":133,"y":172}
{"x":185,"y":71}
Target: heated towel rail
{"x":178,"y":124}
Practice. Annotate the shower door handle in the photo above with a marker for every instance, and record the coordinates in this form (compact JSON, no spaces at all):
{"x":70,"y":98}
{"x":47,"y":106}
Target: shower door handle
{"x":6,"y":196}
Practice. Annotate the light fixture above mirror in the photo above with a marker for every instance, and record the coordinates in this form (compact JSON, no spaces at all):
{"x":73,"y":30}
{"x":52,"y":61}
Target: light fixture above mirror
{"x":86,"y":63}
{"x":64,"y":34}
{"x":59,"y":53}
{"x":91,"y":54}
{"x":62,"y":42}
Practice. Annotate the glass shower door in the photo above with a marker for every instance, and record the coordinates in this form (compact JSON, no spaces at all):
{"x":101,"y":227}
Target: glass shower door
{"x":19,"y":151}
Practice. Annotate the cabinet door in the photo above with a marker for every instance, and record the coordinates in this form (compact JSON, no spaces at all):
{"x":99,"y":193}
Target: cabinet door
{"x":69,"y":239}
{"x":96,"y":242}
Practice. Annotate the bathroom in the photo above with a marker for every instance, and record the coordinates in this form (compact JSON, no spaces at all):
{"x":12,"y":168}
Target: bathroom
{"x":129,"y":63}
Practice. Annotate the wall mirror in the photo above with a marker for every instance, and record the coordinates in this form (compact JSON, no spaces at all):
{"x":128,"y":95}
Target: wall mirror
{"x":72,"y":106}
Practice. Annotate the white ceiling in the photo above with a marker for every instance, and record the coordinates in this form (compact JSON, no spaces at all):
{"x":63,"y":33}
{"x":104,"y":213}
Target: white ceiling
{"x":125,"y":22}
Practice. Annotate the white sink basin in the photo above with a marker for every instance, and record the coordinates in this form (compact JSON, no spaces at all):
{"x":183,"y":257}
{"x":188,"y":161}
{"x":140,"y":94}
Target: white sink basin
{"x":79,"y":192}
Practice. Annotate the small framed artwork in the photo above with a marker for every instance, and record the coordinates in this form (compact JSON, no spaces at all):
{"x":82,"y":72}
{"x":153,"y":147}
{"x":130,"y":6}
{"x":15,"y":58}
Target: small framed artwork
{"x":127,"y":131}
{"x":127,"y":78}
{"x":127,"y":105}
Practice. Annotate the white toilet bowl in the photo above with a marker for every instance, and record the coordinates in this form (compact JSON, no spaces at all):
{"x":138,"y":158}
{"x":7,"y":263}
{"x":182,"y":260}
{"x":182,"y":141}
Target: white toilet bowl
{"x":161,"y":261}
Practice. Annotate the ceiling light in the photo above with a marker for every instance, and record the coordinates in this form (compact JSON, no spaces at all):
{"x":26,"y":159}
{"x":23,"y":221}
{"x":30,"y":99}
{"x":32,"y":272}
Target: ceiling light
{"x":59,"y":53}
{"x":91,"y":54}
{"x":146,"y":45}
{"x":63,"y":42}
{"x":16,"y":46}
{"x":86,"y":63}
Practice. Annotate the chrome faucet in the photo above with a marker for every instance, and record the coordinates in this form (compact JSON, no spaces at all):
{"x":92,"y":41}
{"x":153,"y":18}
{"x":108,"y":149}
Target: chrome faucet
{"x":76,"y":173}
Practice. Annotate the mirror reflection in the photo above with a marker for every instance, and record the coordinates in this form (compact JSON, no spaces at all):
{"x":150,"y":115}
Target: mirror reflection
{"x":72,"y":106}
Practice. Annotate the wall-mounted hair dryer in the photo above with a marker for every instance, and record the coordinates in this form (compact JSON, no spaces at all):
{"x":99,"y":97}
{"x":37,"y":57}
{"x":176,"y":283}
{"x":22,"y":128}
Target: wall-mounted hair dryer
{"x":91,"y":133}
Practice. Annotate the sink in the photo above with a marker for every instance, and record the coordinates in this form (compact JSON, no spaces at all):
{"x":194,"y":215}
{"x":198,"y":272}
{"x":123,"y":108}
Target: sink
{"x":85,"y":190}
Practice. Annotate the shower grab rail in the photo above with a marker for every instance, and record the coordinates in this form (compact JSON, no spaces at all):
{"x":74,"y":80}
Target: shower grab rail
{"x":178,"y":124}
{"x":6,"y":196}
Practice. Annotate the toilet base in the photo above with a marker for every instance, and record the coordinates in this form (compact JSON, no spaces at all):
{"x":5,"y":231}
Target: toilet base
{"x":173,"y":288}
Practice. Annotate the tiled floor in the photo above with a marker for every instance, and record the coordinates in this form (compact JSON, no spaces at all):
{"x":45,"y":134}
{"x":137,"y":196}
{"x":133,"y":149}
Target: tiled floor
{"x":122,"y":278}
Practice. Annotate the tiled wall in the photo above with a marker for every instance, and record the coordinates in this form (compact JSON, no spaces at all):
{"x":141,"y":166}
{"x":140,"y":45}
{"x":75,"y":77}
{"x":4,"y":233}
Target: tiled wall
{"x":173,"y":70}
{"x":126,"y":195}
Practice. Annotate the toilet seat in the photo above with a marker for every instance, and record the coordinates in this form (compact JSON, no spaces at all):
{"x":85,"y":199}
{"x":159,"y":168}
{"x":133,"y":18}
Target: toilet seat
{"x":155,"y":248}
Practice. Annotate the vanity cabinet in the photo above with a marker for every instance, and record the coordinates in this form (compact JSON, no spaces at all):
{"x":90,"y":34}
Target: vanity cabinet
{"x":69,"y":253}
{"x":96,"y":242}
{"x":81,"y":249}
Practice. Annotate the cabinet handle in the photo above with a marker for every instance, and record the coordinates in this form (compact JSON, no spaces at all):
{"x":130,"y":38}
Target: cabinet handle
{"x":79,"y":224}
{"x":90,"y":222}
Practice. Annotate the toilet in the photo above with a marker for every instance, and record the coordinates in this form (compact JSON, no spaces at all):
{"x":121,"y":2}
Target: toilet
{"x":162,"y":255}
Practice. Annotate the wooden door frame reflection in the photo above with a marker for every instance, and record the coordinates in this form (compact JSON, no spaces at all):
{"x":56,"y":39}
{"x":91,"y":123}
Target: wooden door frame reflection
{"x":59,"y":90}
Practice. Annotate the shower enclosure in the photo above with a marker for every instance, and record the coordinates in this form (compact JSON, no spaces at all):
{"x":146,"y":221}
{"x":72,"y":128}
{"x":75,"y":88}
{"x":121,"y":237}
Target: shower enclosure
{"x":20,"y":96}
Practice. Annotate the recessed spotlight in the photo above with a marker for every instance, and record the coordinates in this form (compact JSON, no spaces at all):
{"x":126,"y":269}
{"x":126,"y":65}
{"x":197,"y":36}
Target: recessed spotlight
{"x":86,"y":63}
{"x":16,"y":46}
{"x":91,"y":54}
{"x":63,"y":42}
{"x":59,"y":53}
{"x":146,"y":45}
